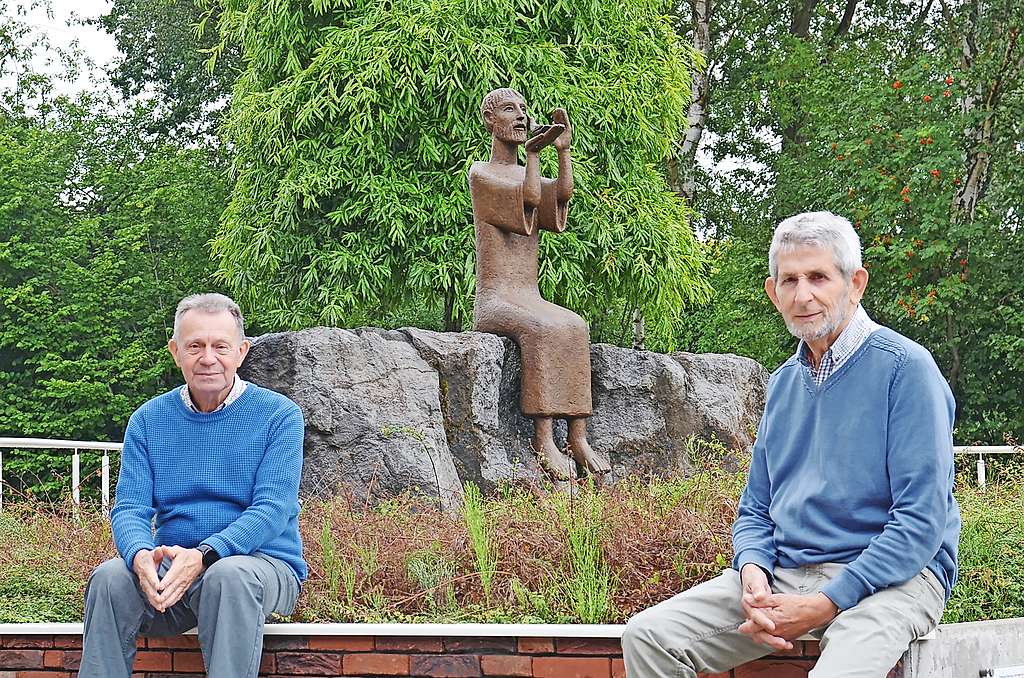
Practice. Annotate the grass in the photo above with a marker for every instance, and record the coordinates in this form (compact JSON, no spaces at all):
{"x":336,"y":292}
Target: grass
{"x":524,"y":554}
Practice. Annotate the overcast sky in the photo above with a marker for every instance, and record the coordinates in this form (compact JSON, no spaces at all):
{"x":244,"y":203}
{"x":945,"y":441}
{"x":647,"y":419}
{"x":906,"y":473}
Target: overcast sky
{"x":62,"y":30}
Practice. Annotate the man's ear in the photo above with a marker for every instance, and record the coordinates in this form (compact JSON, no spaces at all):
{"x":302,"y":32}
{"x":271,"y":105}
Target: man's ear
{"x":858,"y":284}
{"x":172,"y":346}
{"x":769,"y":289}
{"x":244,"y":350}
{"x":488,"y":119}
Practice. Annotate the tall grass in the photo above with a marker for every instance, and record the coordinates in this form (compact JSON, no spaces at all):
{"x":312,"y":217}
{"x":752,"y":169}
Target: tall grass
{"x":480,"y":538}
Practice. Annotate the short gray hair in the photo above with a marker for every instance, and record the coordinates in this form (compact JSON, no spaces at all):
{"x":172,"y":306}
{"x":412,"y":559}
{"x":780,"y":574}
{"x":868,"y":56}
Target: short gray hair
{"x":210,"y":302}
{"x":492,"y":98}
{"x":817,"y":229}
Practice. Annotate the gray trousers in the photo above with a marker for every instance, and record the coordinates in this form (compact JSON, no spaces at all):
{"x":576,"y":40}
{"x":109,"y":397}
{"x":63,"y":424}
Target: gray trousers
{"x":229,"y":603}
{"x":696,"y":630}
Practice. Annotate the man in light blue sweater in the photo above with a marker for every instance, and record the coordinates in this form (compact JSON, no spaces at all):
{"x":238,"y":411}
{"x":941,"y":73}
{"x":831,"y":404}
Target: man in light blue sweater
{"x":214,"y":465}
{"x":847,"y":528}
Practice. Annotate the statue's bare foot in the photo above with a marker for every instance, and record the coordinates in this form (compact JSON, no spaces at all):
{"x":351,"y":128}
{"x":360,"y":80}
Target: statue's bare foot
{"x":581,"y":450}
{"x":558,"y":465}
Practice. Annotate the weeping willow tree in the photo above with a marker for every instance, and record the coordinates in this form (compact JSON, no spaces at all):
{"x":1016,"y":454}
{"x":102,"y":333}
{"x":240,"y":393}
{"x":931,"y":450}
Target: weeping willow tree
{"x":354,"y":123}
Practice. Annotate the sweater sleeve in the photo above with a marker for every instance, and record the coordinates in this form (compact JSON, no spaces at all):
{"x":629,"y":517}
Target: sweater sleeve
{"x":275,"y":495}
{"x":919,"y":460}
{"x":132,"y":515}
{"x":753,"y":533}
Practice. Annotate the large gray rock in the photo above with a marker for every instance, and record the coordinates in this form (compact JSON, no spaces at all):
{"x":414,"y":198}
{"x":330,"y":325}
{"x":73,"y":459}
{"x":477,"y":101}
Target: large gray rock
{"x":391,"y":410}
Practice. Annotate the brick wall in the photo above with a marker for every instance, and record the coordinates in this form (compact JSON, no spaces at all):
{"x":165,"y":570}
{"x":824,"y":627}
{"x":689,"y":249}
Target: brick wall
{"x":57,"y":656}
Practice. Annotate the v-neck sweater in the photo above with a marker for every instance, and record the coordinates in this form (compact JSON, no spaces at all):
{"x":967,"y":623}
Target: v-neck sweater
{"x":858,"y":470}
{"x":228,"y":478}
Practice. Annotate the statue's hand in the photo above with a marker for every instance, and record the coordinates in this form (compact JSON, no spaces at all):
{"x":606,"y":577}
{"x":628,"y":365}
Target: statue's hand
{"x":543,"y":135}
{"x":560,"y":117}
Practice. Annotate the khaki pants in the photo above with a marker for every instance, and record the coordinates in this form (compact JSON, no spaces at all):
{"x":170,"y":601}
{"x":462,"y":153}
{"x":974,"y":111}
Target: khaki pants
{"x":696,"y":630}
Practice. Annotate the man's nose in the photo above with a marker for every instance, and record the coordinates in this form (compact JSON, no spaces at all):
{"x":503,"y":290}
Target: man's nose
{"x":208,"y":356}
{"x":803,"y":290}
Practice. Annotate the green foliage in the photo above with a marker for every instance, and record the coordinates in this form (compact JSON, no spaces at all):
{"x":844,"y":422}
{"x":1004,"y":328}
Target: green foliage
{"x":100,"y":234}
{"x":163,"y":48}
{"x":588,"y":582}
{"x":991,"y":543}
{"x":890,"y":125}
{"x":355,"y":124}
{"x":480,"y":537}
{"x":35,"y":594}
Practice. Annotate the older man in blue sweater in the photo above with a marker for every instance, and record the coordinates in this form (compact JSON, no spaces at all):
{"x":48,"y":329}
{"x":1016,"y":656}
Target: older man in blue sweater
{"x":214,"y":465}
{"x":847,"y":528}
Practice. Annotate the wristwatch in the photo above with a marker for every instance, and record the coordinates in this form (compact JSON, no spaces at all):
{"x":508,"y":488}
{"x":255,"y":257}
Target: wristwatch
{"x":210,"y":555}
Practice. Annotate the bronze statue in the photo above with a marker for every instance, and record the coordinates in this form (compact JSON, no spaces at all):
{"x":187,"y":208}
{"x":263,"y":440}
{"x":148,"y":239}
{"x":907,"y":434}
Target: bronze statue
{"x":511,"y":203}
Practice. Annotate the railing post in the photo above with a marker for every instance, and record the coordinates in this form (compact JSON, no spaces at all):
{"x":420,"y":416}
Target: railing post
{"x":105,"y":483}
{"x":981,"y":471}
{"x":76,"y":480}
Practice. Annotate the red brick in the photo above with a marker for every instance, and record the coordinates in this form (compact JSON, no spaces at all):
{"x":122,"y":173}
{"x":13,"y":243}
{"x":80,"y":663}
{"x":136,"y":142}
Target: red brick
{"x":375,"y":664}
{"x":285,"y":642}
{"x":481,"y":645}
{"x":21,"y":659}
{"x":268,"y":663}
{"x":408,"y":644}
{"x":571,"y":667}
{"x":619,"y":669}
{"x":72,"y":659}
{"x":536,"y":645}
{"x":26,"y":642}
{"x":506,"y":665}
{"x":174,"y":642}
{"x":714,"y":675}
{"x":308,"y":663}
{"x":444,"y":665}
{"x":344,"y":643}
{"x":53,"y":659}
{"x":770,"y":668}
{"x":152,"y":661}
{"x":68,"y":642}
{"x":600,"y":646}
{"x":42,"y":674}
{"x":189,"y":662}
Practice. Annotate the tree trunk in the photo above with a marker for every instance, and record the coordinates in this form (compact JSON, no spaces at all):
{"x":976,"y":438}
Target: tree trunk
{"x":639,"y":335}
{"x":452,"y":318}
{"x":697,"y":114}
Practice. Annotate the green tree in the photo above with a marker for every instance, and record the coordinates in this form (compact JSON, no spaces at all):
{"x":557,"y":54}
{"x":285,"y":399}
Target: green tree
{"x":100,"y":234}
{"x":355,"y":124}
{"x":164,"y":56}
{"x":907,"y":120}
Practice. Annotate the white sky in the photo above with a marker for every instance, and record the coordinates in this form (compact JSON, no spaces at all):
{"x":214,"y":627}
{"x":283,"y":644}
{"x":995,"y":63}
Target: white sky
{"x":61,"y":30}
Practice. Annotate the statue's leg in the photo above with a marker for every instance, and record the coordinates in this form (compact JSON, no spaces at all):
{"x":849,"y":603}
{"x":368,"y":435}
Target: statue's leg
{"x":580,"y":449}
{"x":551,"y":458}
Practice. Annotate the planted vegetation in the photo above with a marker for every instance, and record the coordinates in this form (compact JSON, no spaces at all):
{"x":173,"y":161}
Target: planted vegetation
{"x":523,"y":554}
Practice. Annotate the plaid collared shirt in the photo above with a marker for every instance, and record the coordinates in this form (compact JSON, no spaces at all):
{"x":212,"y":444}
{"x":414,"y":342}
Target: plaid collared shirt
{"x":236,"y":390}
{"x":855,"y":334}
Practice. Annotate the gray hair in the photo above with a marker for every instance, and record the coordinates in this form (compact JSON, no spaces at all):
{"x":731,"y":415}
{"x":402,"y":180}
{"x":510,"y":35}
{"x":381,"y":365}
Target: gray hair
{"x":491,"y":100}
{"x":210,"y":302}
{"x":817,"y":229}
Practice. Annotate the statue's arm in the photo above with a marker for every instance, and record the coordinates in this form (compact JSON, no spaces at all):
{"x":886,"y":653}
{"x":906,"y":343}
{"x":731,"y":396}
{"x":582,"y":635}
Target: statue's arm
{"x":564,"y":183}
{"x":501,"y":202}
{"x":531,"y":183}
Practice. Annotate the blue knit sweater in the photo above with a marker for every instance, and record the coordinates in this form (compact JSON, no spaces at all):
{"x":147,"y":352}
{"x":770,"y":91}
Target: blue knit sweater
{"x":856,"y":471}
{"x":229,"y":479}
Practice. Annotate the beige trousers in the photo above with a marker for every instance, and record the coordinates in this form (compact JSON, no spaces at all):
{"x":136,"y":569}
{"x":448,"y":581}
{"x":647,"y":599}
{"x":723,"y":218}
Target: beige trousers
{"x":696,"y":630}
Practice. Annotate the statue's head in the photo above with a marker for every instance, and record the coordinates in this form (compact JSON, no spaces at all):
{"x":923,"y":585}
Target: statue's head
{"x":504,"y":114}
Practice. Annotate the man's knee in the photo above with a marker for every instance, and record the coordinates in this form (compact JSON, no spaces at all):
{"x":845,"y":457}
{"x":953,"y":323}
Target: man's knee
{"x":232,"y":572}
{"x":111,"y":579}
{"x":640,"y":632}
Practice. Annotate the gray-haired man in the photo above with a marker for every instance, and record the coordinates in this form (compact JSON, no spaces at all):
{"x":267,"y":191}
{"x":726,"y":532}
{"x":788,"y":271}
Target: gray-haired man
{"x":215,"y":464}
{"x":847,"y":528}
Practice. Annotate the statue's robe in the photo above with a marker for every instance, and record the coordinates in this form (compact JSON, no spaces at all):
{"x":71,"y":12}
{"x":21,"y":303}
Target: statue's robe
{"x":554,"y":341}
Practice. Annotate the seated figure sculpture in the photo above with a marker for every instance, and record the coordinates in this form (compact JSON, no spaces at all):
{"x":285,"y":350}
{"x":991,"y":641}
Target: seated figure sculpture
{"x":511,"y":203}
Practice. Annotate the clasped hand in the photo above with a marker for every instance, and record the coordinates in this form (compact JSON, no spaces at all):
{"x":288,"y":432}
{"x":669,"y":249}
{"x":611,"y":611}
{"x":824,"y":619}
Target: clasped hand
{"x":776,"y":619}
{"x":164,"y":592}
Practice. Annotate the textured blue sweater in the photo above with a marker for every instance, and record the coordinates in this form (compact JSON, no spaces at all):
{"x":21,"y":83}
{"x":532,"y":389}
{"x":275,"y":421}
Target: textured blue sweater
{"x":229,"y":479}
{"x":856,"y":471}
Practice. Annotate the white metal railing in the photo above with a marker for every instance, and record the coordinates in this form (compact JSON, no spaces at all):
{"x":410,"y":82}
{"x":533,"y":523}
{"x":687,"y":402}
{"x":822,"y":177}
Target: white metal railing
{"x":106,"y":448}
{"x":76,"y":463}
{"x":982,"y":450}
